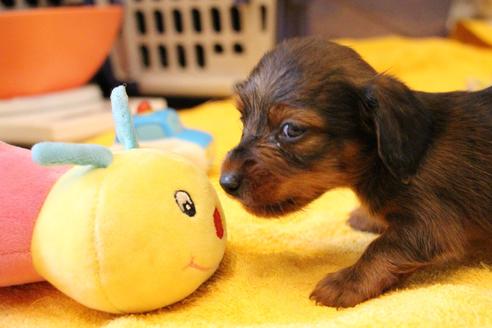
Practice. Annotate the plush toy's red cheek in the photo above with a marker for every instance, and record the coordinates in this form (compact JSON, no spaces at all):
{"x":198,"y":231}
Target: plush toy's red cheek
{"x":219,"y":228}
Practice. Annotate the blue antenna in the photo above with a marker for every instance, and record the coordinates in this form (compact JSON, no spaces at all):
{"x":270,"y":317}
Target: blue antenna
{"x":56,"y":153}
{"x":125,"y":131}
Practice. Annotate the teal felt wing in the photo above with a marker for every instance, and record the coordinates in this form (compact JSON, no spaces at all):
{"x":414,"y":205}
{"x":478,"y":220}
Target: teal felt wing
{"x":56,"y":153}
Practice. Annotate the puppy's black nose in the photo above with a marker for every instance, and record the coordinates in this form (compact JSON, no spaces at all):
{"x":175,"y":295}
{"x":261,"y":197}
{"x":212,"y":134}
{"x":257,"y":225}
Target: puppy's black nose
{"x":231,"y":182}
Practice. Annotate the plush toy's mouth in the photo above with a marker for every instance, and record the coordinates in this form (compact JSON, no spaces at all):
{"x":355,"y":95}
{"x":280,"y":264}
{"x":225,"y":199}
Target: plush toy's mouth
{"x":195,"y":265}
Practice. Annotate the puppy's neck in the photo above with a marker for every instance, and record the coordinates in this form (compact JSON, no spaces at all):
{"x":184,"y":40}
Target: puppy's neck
{"x":374,"y":185}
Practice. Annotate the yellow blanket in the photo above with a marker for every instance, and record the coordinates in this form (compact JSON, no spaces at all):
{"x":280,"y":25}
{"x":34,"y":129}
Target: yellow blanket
{"x":271,"y":266}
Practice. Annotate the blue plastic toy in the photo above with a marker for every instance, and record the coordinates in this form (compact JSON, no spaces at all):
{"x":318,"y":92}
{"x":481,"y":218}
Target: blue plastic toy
{"x":162,"y":129}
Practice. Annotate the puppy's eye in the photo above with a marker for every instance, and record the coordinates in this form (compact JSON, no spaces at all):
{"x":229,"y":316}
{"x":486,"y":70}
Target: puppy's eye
{"x":291,"y":132}
{"x":185,"y":203}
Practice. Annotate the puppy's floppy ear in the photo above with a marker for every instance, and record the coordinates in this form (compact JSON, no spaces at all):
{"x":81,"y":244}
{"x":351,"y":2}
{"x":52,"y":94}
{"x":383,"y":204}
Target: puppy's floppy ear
{"x":402,"y":125}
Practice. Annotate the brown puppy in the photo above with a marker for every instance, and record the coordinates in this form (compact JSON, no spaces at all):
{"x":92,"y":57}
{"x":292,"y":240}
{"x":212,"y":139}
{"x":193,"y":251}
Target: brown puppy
{"x":316,"y":116}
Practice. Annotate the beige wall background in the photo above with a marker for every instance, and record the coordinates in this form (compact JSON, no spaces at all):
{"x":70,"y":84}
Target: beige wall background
{"x":359,"y":18}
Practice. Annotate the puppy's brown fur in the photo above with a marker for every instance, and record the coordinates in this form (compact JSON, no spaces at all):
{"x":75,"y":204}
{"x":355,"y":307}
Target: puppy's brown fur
{"x":421,"y":163}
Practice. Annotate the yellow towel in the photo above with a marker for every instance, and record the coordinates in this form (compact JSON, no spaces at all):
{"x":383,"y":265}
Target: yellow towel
{"x":271,"y":266}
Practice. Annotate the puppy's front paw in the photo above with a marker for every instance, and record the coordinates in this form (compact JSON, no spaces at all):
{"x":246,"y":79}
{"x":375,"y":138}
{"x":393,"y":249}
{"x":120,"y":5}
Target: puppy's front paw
{"x":341,"y":289}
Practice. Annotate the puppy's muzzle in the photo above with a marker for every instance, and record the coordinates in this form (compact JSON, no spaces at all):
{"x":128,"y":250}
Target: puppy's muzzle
{"x":232,"y":176}
{"x":231,"y":182}
{"x":235,"y":166}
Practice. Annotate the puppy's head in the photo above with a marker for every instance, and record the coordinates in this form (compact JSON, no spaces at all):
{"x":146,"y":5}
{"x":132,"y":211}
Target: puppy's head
{"x":314,"y":117}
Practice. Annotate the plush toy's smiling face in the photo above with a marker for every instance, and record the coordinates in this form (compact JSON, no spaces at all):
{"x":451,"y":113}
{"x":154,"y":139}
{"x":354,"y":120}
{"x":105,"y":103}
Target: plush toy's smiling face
{"x":169,"y":221}
{"x":144,"y":232}
{"x":187,"y":206}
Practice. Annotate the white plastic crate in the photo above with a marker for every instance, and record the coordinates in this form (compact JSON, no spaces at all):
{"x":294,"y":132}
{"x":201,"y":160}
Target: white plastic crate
{"x":192,"y":47}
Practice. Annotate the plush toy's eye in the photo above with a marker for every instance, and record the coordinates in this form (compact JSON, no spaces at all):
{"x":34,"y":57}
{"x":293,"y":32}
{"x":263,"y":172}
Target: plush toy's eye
{"x":185,"y":203}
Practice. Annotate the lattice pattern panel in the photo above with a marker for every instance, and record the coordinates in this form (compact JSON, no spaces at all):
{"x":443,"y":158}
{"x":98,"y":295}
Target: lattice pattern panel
{"x":193,"y":47}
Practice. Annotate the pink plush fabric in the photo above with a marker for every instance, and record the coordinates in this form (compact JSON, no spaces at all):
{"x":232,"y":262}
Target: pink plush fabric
{"x":24,"y":186}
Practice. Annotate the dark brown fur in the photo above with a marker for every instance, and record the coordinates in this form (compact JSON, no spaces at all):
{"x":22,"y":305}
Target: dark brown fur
{"x":420,"y":163}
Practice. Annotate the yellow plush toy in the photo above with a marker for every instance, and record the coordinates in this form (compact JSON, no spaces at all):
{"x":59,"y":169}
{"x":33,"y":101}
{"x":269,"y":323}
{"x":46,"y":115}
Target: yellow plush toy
{"x":126,"y":232}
